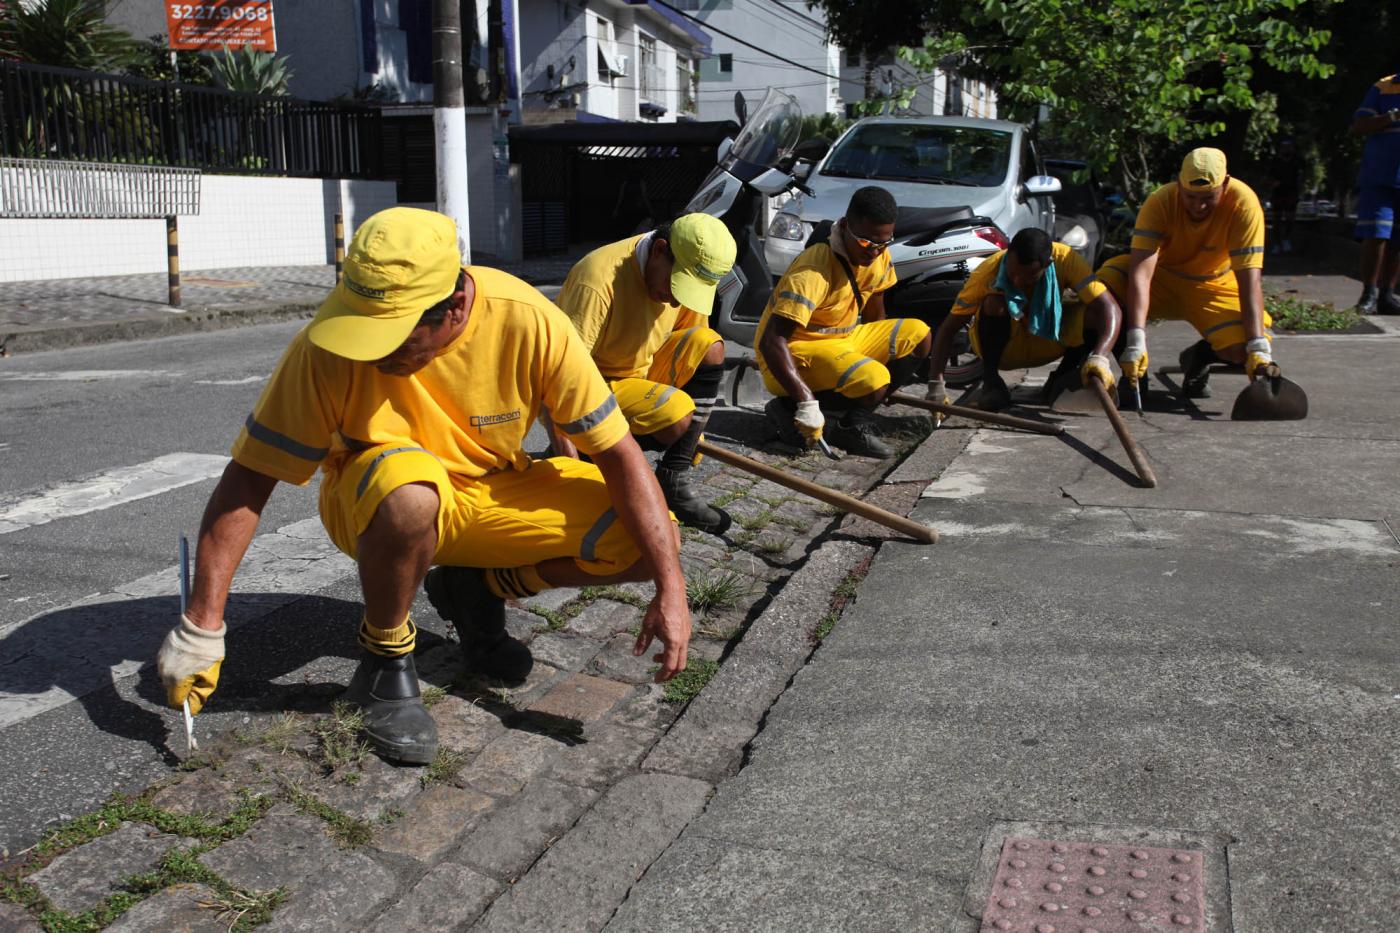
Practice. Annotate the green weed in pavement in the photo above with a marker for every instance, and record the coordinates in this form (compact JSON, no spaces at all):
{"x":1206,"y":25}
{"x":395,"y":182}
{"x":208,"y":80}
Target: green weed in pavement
{"x":755,"y":522}
{"x":338,"y":741}
{"x":445,"y":766}
{"x":827,"y":623}
{"x":716,"y":590}
{"x":350,"y":832}
{"x":778,"y":545}
{"x":433,"y":696}
{"x":1294,"y":314}
{"x":689,"y":682}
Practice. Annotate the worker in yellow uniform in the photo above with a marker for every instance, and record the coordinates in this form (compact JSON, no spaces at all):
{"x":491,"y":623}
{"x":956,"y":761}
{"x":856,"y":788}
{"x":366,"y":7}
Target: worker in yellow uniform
{"x":640,"y":306}
{"x":412,"y":390}
{"x":1197,"y":256}
{"x":824,"y":342}
{"x":1014,"y":301}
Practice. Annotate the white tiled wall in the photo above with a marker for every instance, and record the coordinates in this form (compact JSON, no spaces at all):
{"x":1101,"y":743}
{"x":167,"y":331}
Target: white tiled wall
{"x":243,"y":221}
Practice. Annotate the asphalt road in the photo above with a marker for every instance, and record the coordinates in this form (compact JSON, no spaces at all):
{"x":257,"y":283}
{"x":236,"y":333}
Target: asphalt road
{"x":107,"y":456}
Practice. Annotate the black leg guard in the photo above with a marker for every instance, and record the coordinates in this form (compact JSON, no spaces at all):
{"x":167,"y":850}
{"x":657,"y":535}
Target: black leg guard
{"x":902,"y":371}
{"x":1195,"y":363}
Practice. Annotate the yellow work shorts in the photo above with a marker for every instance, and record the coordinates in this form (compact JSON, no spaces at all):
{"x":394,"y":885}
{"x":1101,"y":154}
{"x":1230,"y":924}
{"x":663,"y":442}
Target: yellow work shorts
{"x":1212,"y":307}
{"x":1025,"y":349}
{"x":556,"y":508}
{"x":853,"y":365}
{"x":654,"y":403}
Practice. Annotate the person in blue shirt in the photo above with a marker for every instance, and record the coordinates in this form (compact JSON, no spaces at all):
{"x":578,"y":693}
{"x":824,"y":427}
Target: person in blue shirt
{"x":1378,"y":120}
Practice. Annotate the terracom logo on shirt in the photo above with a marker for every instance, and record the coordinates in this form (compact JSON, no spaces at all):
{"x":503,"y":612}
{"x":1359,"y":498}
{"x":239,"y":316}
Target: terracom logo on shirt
{"x":484,"y":421}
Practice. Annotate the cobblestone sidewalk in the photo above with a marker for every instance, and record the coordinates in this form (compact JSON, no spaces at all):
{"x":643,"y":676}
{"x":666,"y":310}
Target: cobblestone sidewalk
{"x":546,"y":802}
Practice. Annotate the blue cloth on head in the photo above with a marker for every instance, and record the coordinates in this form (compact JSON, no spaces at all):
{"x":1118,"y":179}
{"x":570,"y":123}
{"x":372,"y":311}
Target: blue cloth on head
{"x":1041,"y":308}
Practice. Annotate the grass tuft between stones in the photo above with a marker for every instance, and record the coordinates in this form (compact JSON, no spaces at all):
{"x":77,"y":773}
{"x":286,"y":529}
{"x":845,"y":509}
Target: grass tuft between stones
{"x":713,"y":590}
{"x":688,"y":683}
{"x":445,"y":766}
{"x":338,"y":742}
{"x":350,"y":832}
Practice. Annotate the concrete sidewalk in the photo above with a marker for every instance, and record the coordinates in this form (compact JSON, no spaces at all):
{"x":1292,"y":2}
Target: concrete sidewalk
{"x":1210,"y":665}
{"x":49,"y":314}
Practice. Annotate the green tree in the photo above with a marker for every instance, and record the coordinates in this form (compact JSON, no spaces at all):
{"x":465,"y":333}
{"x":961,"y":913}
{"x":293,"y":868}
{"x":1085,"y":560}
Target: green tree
{"x":252,"y":72}
{"x":64,"y":33}
{"x":1130,"y":82}
{"x":153,"y":64}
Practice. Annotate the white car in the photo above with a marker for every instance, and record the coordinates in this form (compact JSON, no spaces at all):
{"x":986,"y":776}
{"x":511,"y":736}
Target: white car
{"x":925,"y":162}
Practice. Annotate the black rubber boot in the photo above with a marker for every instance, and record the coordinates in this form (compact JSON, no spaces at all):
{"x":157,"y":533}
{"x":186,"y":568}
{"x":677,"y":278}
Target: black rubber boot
{"x":1066,"y":375}
{"x":685,"y":502}
{"x":992,"y":395}
{"x":1195,"y":363}
{"x":460,"y":595}
{"x":854,"y":432}
{"x":397,"y":723}
{"x":1370,"y":295}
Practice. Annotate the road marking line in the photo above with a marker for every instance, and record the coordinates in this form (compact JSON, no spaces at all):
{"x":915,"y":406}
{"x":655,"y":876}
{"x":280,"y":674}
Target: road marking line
{"x":86,"y":375}
{"x":229,"y":382}
{"x":109,"y":489}
{"x":62,"y":655}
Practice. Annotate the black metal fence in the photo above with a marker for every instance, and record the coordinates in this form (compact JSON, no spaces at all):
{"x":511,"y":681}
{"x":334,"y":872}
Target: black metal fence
{"x":63,"y":113}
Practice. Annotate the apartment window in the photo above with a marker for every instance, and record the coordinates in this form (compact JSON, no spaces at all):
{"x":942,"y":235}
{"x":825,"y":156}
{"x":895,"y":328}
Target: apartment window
{"x":647,"y":83}
{"x":726,"y":63}
{"x":610,"y":63}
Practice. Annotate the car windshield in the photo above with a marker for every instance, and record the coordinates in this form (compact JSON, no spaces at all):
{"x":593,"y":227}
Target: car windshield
{"x":949,"y":155}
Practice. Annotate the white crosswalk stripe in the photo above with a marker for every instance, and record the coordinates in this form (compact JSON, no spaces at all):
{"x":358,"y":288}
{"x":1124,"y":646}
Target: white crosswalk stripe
{"x":87,"y":375}
{"x":109,"y":489}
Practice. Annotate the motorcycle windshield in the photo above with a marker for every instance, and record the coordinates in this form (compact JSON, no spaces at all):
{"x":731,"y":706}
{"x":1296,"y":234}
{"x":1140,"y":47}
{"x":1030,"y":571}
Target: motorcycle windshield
{"x":771,"y":132}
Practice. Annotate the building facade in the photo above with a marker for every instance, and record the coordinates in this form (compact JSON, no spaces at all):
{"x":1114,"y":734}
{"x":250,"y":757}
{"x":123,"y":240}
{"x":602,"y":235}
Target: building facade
{"x":944,"y":91}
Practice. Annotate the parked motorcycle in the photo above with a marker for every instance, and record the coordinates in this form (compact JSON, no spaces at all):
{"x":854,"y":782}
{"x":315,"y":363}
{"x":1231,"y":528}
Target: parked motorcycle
{"x":935,"y":249}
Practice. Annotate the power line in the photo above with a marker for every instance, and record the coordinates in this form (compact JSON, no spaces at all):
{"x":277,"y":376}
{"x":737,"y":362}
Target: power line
{"x":772,"y":16}
{"x":750,"y":45}
{"x":797,"y":14}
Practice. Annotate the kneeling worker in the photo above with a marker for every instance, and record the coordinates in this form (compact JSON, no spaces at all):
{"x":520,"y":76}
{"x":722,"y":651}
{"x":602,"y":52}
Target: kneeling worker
{"x":1013,"y":300}
{"x":639,"y":305}
{"x":1197,"y":256}
{"x":412,"y":390}
{"x":824,"y":335}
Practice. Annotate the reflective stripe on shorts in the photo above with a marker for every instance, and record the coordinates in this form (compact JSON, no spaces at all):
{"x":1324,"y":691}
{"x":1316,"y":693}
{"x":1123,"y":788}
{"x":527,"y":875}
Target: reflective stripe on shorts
{"x":588,"y":547}
{"x":894,"y":335}
{"x":852,"y":368}
{"x":374,"y":465}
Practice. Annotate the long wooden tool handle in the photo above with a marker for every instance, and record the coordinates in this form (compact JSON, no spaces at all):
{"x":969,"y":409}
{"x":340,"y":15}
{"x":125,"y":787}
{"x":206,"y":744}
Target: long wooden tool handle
{"x":830,"y":496}
{"x":991,"y":417}
{"x":1135,"y":454}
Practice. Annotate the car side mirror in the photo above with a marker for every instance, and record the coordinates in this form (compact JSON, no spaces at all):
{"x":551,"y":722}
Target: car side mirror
{"x":1040,"y":186}
{"x":802,"y":170}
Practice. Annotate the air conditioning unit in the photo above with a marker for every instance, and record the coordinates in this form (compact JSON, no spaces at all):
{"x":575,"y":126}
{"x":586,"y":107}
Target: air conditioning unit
{"x":624,"y":66}
{"x":615,"y":64}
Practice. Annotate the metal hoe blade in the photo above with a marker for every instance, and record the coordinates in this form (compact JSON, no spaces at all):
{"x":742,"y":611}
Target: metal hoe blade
{"x":190,"y":744}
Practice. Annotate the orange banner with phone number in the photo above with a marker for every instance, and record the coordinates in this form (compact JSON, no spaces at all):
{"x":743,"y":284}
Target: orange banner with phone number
{"x":217,"y":23}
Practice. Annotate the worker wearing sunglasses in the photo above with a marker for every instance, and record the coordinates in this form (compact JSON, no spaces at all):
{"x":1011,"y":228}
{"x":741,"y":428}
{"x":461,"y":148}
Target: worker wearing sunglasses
{"x":825,"y":347}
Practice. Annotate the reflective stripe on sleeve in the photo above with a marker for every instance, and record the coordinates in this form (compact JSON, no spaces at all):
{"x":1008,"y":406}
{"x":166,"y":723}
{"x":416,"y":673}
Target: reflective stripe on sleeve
{"x":793,"y":296}
{"x":593,"y":418}
{"x":1148,"y":234}
{"x":261,"y":432}
{"x":1246,"y":251}
{"x":1083,"y":283}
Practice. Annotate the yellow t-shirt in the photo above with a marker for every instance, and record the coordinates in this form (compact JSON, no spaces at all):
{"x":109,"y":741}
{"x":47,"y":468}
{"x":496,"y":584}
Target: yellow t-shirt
{"x":816,"y":293}
{"x":1071,"y":272}
{"x":1232,"y":237}
{"x":606,"y":298}
{"x":470,"y":407}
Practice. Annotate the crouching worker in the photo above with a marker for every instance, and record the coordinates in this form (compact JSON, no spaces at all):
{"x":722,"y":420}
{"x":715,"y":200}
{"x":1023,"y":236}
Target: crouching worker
{"x":412,"y":390}
{"x":640,"y":306}
{"x":825,"y":347}
{"x":1013,"y":300}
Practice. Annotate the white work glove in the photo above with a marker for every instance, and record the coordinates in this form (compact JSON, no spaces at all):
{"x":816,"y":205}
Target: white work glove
{"x":1133,"y":361}
{"x":1097,"y":366}
{"x":1257,"y":353}
{"x":809,"y":420}
{"x":189,"y":662}
{"x":938,"y":394}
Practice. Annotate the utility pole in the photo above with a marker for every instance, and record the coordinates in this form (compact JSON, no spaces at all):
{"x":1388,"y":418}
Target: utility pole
{"x":450,"y":119}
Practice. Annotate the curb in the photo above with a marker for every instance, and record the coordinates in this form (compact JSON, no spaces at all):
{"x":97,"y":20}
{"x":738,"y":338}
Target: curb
{"x":190,"y":322}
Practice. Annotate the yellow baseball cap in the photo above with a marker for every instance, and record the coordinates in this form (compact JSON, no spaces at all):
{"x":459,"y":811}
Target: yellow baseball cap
{"x":401,"y":262}
{"x":1202,"y":169}
{"x":704,"y":252}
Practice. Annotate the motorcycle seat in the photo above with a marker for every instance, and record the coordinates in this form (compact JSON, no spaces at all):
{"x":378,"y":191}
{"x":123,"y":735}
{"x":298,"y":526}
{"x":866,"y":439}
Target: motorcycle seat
{"x":911,"y":221}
